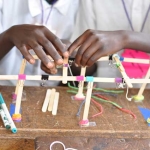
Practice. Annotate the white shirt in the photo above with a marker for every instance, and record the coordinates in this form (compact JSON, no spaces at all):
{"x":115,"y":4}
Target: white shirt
{"x":109,"y":15}
{"x":13,"y":12}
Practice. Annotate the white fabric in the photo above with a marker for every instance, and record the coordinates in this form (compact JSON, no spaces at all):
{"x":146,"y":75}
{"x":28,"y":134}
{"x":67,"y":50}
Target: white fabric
{"x":13,"y":12}
{"x":109,"y":15}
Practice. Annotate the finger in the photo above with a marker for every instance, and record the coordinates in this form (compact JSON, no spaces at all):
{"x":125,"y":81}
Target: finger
{"x":49,"y":71}
{"x":41,"y":54}
{"x":83,"y":48}
{"x":94,"y":47}
{"x":26,"y":54}
{"x":98,"y":54}
{"x":79,"y":41}
{"x":52,"y":51}
{"x":57,"y":43}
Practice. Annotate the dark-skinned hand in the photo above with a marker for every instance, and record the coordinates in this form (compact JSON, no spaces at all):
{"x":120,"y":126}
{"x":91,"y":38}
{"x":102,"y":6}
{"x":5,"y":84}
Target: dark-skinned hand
{"x":54,"y":70}
{"x":95,"y":44}
{"x":41,"y":40}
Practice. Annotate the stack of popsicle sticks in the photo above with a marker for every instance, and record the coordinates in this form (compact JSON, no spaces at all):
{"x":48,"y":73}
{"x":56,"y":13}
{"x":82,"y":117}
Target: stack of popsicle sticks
{"x":51,"y":101}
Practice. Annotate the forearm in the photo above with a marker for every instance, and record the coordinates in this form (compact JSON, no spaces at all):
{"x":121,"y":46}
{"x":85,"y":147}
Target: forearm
{"x":137,"y":41}
{"x":5,"y":44}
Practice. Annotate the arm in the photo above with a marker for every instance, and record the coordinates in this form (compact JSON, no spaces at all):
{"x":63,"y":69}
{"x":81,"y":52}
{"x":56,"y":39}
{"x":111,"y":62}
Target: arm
{"x":137,"y":40}
{"x":38,"y":38}
{"x":5,"y":44}
{"x":95,"y":44}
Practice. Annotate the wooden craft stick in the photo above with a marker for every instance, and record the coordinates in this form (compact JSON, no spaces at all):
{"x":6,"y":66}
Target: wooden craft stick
{"x":55,"y":106}
{"x":51,"y":100}
{"x":136,"y":60}
{"x":46,"y":101}
{"x":19,"y":96}
{"x":70,"y":78}
{"x":87,"y":101}
{"x":144,"y":84}
{"x":106,"y":58}
{"x":122,"y":71}
{"x":22,"y":68}
{"x":65,"y":71}
{"x":81,"y":84}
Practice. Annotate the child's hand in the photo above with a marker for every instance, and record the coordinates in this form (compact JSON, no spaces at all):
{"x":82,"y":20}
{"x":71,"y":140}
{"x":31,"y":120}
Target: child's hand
{"x":41,"y":40}
{"x":95,"y":44}
{"x":53,"y":70}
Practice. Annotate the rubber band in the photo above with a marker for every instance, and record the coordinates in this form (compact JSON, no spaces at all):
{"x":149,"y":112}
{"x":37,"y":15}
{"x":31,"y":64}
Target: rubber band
{"x":65,"y":65}
{"x":58,"y":142}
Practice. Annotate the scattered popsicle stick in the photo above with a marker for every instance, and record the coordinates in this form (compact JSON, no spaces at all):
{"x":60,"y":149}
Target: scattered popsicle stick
{"x":46,"y":101}
{"x":55,"y":106}
{"x":51,"y":100}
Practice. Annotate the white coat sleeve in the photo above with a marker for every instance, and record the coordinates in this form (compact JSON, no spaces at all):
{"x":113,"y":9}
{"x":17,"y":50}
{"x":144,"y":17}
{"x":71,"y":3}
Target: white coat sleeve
{"x":1,"y":4}
{"x":85,"y":18}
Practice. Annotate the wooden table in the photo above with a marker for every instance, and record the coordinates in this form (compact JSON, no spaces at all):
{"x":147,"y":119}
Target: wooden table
{"x":111,"y":125}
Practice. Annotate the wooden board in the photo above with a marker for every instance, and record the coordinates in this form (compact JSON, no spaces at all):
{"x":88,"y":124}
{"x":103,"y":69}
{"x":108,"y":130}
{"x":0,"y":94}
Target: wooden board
{"x":96,"y":143}
{"x":111,"y":124}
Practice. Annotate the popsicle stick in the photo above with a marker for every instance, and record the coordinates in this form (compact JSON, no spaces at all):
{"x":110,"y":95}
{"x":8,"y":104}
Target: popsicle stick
{"x":55,"y":106}
{"x":87,"y":101}
{"x":22,"y":68}
{"x":51,"y":100}
{"x":46,"y":101}
{"x":144,"y":84}
{"x":65,"y":71}
{"x":19,"y":96}
{"x":81,"y":84}
{"x":122,"y":71}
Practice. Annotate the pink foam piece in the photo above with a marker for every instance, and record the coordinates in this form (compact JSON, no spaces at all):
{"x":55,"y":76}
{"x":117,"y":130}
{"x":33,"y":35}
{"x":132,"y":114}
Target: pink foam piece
{"x":79,"y":78}
{"x":21,"y":77}
{"x":118,"y":80}
{"x":135,"y":70}
{"x":84,"y":122}
{"x":14,"y":96}
{"x":79,"y":98}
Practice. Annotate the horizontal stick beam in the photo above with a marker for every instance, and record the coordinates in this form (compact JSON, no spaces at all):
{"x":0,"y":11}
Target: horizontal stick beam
{"x":106,"y":58}
{"x":70,"y":78}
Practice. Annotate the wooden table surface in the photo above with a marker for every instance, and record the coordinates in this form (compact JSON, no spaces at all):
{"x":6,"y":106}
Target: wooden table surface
{"x":111,"y":124}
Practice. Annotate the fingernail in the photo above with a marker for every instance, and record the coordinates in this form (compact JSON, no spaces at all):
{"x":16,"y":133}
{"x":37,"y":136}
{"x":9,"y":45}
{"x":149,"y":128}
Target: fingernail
{"x":59,"y":61}
{"x":54,"y":71}
{"x":32,"y":61}
{"x":49,"y":65}
{"x":66,"y":54}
